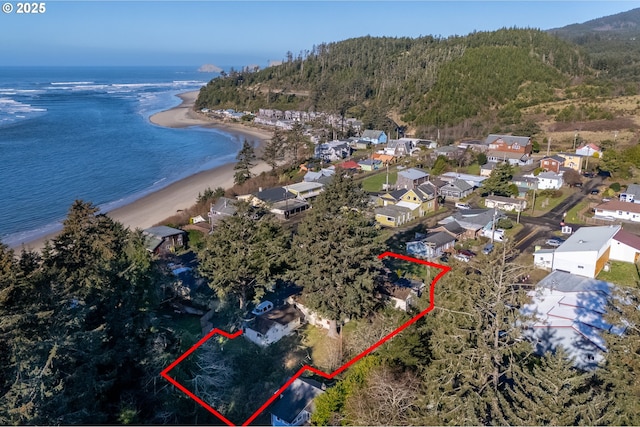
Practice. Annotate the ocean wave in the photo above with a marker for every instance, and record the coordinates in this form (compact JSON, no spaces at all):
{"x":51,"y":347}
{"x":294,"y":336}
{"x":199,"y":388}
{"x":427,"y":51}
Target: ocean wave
{"x":11,"y":106}
{"x":71,"y":83}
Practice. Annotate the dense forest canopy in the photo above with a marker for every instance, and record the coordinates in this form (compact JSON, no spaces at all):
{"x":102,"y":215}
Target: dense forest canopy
{"x":426,"y":81}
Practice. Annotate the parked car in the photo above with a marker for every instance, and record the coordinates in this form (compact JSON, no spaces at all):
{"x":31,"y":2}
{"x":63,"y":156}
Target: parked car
{"x":463,"y":205}
{"x":467,"y":253}
{"x":444,"y":258}
{"x":589,"y":174}
{"x":595,"y":191}
{"x":488,"y":248}
{"x":555,"y":242}
{"x":462,"y":257}
{"x":605,"y":200}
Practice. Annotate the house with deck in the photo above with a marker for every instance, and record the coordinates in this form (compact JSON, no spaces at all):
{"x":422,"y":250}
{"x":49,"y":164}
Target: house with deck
{"x":163,"y":240}
{"x":432,"y":246}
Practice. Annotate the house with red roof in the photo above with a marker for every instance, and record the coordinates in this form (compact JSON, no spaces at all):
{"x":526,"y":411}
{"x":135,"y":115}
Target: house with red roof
{"x":615,"y":209}
{"x":625,"y":247}
{"x":589,"y":150}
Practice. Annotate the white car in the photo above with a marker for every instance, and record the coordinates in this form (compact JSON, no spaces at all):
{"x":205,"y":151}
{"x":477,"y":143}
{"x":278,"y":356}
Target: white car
{"x":555,"y":242}
{"x":462,"y":257}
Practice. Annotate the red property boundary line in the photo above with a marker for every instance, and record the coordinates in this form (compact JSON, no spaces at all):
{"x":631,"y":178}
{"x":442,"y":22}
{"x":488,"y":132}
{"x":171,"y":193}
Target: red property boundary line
{"x":165,"y":373}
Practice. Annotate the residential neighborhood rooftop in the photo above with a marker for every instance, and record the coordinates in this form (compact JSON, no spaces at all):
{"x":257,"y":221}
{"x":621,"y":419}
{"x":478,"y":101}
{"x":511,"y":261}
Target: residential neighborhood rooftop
{"x":589,"y":239}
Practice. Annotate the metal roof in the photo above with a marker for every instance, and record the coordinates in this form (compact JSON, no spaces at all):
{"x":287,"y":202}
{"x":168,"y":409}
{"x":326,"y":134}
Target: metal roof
{"x":413,"y":174}
{"x":589,"y":239}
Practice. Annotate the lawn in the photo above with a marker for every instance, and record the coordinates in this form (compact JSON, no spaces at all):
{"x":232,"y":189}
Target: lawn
{"x":572,"y":215}
{"x":374,"y":183}
{"x":544,"y":203}
{"x":621,"y":273}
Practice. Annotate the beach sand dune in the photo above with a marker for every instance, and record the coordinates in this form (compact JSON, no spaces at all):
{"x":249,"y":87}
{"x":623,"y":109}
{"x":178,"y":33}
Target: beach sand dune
{"x":155,"y":207}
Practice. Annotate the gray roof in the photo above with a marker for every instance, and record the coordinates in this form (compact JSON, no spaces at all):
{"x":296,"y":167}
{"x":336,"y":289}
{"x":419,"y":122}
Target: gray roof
{"x":454,"y":227}
{"x":282,"y":315}
{"x":508,"y":139}
{"x":589,"y":239}
{"x":413,"y":174}
{"x":391,"y":210}
{"x":633,"y":189}
{"x":440,"y":238}
{"x":296,"y":398}
{"x":370,"y":133}
{"x":224,"y":206}
{"x":549,"y":175}
{"x":458,"y":184}
{"x":163,"y":231}
{"x":567,"y":282}
{"x":447,"y":149}
{"x":475,"y":219}
{"x":273,"y":195}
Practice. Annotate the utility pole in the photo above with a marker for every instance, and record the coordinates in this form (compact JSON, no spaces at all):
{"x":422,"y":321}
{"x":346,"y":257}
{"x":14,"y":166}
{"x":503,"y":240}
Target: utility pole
{"x":533,"y":205}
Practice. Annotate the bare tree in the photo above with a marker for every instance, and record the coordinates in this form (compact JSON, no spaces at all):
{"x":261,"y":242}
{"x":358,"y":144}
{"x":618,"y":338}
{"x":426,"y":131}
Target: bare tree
{"x":213,"y":375}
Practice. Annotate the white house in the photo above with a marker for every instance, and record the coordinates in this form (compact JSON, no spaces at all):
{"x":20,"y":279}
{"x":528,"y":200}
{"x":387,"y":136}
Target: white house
{"x":274,"y":325}
{"x":505,"y":203}
{"x":584,"y":253}
{"x":631,"y":194}
{"x":472,"y":180}
{"x":616,"y":209}
{"x":625,"y":247}
{"x":589,"y":150}
{"x":568,"y":311}
{"x":403,"y":293}
{"x":549,"y":181}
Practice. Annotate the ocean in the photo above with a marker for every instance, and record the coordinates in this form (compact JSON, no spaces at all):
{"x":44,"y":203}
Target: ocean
{"x":84,"y":133}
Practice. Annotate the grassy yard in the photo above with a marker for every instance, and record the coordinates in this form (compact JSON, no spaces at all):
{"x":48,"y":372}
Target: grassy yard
{"x":544,"y":203}
{"x":374,"y":183}
{"x":621,"y":273}
{"x":572,"y":215}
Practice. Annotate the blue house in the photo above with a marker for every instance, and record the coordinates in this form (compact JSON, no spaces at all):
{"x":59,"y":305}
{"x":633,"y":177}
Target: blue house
{"x":374,"y":136}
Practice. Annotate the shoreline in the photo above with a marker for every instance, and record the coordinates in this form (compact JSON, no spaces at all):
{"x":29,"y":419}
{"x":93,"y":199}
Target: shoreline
{"x":161,"y":204}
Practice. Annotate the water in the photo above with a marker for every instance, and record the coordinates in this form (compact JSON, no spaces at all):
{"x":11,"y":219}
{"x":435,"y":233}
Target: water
{"x":84,"y":133}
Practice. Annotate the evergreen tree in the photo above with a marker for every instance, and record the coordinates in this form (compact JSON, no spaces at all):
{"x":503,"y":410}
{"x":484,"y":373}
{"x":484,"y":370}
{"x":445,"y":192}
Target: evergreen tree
{"x":246,"y":160}
{"x":243,"y":256}
{"x":274,"y":149}
{"x":499,"y":182}
{"x":335,"y":253}
{"x":548,"y":390}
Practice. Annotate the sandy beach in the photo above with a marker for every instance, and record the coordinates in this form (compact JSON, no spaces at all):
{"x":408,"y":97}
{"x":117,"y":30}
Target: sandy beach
{"x":155,"y":207}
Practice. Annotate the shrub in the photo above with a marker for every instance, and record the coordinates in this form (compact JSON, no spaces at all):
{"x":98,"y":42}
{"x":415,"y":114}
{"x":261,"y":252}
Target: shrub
{"x":615,"y":186}
{"x":505,"y":223}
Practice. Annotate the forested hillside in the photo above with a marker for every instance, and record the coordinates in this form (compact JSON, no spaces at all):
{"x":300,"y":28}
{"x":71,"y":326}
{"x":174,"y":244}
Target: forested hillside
{"x":612,"y":42}
{"x":426,"y":82}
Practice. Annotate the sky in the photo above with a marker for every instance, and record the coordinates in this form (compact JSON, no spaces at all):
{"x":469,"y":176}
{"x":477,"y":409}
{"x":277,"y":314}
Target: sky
{"x":239,"y":32}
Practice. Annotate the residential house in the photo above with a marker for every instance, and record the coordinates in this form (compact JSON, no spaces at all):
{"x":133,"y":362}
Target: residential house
{"x":332,"y":151}
{"x":552,"y":163}
{"x":631,"y":194}
{"x":402,"y":293}
{"x":589,"y":150}
{"x":401,"y":206}
{"x":456,"y":190}
{"x":508,"y":204}
{"x":474,"y":221}
{"x":584,"y":253}
{"x":410,"y":178}
{"x":296,"y":404}
{"x":384,"y":158}
{"x":549,"y":181}
{"x":514,"y":158}
{"x":573,"y":161}
{"x":305,"y":190}
{"x":509,"y":144}
{"x":359,"y":144}
{"x":398,"y":148}
{"x":369,"y":165}
{"x":476,"y":145}
{"x":448,"y":151}
{"x":163,"y":240}
{"x":349,"y":165}
{"x":392,"y":215}
{"x":280,"y":201}
{"x":625,"y":247}
{"x":473,"y":180}
{"x":432,"y":246}
{"x":320,"y":176}
{"x":374,"y":136}
{"x":525,"y":184}
{"x":617,"y":210}
{"x":270,"y":327}
{"x":487,"y":168}
{"x":568,"y":311}
{"x":453,"y":228}
{"x":223,"y":207}
{"x":311,"y":317}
